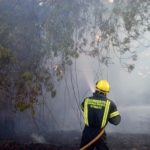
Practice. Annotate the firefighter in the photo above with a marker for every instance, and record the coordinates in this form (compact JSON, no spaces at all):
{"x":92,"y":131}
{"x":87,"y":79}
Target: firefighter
{"x":98,"y":110}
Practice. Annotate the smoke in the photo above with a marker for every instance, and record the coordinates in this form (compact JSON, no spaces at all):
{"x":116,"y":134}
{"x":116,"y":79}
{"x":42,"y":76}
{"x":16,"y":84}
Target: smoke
{"x":130,"y":92}
{"x":38,"y":138}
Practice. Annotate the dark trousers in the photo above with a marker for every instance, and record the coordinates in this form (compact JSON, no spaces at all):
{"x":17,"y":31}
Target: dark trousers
{"x":89,"y":134}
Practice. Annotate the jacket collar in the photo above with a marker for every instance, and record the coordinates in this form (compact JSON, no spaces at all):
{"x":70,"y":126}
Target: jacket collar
{"x":99,"y":95}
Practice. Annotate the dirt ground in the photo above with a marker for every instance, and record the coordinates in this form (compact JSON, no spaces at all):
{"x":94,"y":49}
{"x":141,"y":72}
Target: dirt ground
{"x":115,"y":142}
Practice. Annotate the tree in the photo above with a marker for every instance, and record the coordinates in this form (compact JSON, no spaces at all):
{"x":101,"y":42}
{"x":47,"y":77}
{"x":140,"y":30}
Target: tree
{"x":111,"y":29}
{"x":34,"y":33}
{"x":24,"y":50}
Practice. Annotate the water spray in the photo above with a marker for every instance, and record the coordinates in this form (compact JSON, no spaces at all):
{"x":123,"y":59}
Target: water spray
{"x":90,"y":81}
{"x":91,"y":85}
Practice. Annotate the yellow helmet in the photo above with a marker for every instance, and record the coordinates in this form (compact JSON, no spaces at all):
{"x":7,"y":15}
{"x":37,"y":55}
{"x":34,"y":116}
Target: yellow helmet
{"x":103,"y":86}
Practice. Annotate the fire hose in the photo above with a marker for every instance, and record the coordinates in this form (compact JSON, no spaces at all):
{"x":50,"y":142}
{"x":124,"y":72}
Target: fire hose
{"x":94,"y":140}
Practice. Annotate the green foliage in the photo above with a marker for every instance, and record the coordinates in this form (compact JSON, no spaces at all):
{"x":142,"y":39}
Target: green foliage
{"x":59,"y":28}
{"x":6,"y":57}
{"x":23,"y":106}
{"x":113,"y":30}
{"x":32,"y":35}
{"x":27,"y":76}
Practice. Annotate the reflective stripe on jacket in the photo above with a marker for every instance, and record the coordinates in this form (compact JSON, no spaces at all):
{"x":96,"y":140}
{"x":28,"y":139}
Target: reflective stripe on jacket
{"x":98,"y":110}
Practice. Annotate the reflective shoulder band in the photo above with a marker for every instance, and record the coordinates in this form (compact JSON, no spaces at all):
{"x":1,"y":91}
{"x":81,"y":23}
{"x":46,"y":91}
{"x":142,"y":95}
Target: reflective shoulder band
{"x":114,"y":114}
{"x":86,"y":112}
{"x":105,"y":113}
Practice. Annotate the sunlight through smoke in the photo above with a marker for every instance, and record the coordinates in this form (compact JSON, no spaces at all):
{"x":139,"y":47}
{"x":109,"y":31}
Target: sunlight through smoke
{"x":110,"y":1}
